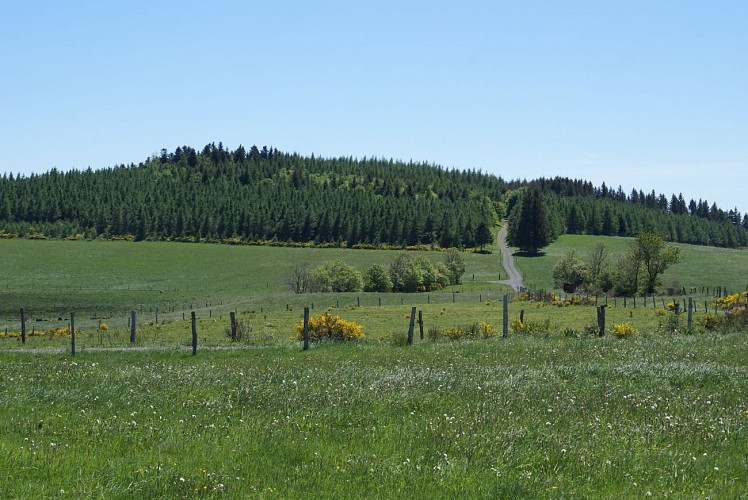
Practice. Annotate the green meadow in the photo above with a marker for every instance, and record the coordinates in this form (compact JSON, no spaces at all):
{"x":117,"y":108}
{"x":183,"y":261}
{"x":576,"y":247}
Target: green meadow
{"x":701,"y":266}
{"x":556,"y":413}
{"x":526,"y":416}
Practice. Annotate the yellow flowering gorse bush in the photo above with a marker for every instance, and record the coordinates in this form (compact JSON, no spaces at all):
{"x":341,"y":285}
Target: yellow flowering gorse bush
{"x":476,"y":330}
{"x":330,"y":326}
{"x":623,"y":330}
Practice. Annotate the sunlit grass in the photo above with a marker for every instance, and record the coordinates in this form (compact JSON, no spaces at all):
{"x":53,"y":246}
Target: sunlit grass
{"x":524,"y":416}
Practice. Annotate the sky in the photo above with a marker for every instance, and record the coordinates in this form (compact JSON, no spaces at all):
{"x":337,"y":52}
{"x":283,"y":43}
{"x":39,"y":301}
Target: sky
{"x":642,"y":94}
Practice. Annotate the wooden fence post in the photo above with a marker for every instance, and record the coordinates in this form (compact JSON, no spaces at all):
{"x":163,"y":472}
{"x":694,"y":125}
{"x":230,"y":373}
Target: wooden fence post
{"x":23,"y":326}
{"x":601,"y":320}
{"x":232,"y":316}
{"x":505,"y":317}
{"x":412,"y":325}
{"x":133,"y":318}
{"x":306,"y":328}
{"x":690,"y":312}
{"x":420,"y":323}
{"x":194,"y":333}
{"x":72,"y":334}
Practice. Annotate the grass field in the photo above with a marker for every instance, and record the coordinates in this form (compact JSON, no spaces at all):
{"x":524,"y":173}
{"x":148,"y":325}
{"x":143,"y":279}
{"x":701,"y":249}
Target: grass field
{"x":163,"y":282}
{"x":108,"y":279}
{"x":560,"y":413}
{"x":701,"y":266}
{"x":527,"y":416}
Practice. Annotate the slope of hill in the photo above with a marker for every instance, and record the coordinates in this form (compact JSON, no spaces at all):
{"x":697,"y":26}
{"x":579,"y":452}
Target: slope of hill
{"x":701,"y":265}
{"x":261,"y":196}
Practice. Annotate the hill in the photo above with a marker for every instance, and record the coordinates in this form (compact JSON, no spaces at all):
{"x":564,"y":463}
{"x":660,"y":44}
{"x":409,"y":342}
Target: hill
{"x":258,"y":196}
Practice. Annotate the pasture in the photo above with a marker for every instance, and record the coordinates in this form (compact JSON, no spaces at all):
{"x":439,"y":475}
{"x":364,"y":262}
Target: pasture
{"x":557,"y":413}
{"x":527,"y":416}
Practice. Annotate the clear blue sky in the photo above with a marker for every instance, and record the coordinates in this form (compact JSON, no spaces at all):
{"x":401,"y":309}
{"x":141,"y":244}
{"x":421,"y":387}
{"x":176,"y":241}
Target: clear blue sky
{"x":646,"y":94}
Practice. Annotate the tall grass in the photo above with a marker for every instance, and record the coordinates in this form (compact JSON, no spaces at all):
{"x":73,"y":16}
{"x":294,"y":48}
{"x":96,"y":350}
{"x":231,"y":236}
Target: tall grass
{"x":527,"y":416}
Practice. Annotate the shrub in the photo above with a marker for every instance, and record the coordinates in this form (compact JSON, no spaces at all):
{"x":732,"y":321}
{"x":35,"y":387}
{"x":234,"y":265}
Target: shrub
{"x":671,"y":323}
{"x":475,"y":330}
{"x":377,"y":279}
{"x":570,"y":332}
{"x":591,"y":329}
{"x":243,"y":330}
{"x":455,"y":266}
{"x":434,"y":333}
{"x":623,"y":330}
{"x":531,"y":327}
{"x":396,"y":339}
{"x":415,"y":273}
{"x":330,"y":326}
{"x":335,"y":276}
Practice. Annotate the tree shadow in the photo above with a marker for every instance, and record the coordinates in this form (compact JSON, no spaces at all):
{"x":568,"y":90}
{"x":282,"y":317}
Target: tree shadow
{"x":525,"y":253}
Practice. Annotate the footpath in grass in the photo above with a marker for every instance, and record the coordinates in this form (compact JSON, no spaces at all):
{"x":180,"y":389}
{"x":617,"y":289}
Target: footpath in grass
{"x":525,"y":416}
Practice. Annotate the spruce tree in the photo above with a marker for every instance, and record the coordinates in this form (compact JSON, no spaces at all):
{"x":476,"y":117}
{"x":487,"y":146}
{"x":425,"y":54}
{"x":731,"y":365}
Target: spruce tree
{"x":529,"y":227}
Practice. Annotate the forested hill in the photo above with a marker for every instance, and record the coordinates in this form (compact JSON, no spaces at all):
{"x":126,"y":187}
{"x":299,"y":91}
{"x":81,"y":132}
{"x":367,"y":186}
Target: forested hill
{"x":264,"y":195}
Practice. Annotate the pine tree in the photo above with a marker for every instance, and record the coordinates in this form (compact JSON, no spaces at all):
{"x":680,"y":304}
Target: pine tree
{"x":483,"y":235}
{"x":529,"y":227}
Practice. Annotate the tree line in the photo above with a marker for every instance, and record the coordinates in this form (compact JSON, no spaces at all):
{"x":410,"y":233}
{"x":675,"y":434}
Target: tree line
{"x":256,"y":196}
{"x":264,"y":195}
{"x":537,"y":217}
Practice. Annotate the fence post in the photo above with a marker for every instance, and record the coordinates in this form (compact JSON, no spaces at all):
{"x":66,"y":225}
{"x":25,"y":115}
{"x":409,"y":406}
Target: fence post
{"x":306,"y":328}
{"x":505,"y":318}
{"x":601,"y":320}
{"x":23,"y":326}
{"x":194,"y":334}
{"x":232,"y":316}
{"x":72,"y":334}
{"x":690,"y":312}
{"x":420,"y":323}
{"x":412,"y":325}
{"x":522,"y":316}
{"x":133,"y":318}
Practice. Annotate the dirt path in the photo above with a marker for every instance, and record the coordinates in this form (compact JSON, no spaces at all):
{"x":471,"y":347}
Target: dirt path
{"x":515,"y":278}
